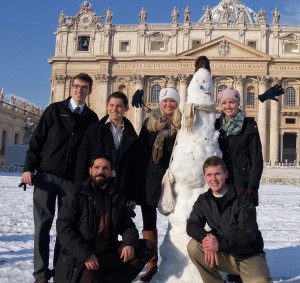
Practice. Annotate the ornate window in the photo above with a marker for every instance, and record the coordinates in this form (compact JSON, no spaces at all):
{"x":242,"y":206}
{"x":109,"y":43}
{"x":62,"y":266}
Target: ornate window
{"x":250,"y":96}
{"x":290,"y":97}
{"x":83,"y":43}
{"x":196,"y":42}
{"x":155,"y":93}
{"x":252,"y":43}
{"x":222,"y":87}
{"x":158,"y":41}
{"x":124,"y":46}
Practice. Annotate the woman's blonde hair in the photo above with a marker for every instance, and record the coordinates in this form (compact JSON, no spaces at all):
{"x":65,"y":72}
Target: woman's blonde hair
{"x":157,"y":116}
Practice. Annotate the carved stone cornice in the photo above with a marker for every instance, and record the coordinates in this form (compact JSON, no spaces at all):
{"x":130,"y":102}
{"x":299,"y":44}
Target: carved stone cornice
{"x":171,"y":80}
{"x":239,"y":80}
{"x":137,"y":79}
{"x":102,"y":78}
{"x":61,"y":79}
{"x":183,"y":79}
{"x":263,"y":79}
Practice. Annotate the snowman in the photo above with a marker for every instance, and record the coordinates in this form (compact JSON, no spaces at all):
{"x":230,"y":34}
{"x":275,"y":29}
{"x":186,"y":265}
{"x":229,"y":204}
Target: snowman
{"x":196,"y":141}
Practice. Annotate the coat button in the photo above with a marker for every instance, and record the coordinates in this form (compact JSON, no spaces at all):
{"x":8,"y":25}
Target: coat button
{"x":64,"y":259}
{"x":75,"y":269}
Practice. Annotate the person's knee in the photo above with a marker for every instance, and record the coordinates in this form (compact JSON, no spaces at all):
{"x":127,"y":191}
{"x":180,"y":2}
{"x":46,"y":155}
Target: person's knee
{"x":193,"y":248}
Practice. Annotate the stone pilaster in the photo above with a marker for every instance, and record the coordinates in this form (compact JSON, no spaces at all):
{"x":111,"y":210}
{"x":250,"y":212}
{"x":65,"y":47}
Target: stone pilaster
{"x":60,"y":87}
{"x":262,"y":116}
{"x":100,"y":95}
{"x":183,"y":79}
{"x":138,"y":81}
{"x":274,"y":129}
{"x":239,"y":86}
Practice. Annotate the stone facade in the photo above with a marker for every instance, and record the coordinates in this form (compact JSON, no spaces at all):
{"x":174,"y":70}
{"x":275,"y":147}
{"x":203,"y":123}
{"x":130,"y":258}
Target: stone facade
{"x":245,"y":52}
{"x":14,"y":113}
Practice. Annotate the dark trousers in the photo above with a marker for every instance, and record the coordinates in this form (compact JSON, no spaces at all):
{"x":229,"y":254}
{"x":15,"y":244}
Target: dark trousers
{"x":149,"y":217}
{"x":48,"y":188}
{"x":112,"y":268}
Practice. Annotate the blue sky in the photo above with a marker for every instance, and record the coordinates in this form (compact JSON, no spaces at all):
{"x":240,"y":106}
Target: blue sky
{"x":27,"y":30}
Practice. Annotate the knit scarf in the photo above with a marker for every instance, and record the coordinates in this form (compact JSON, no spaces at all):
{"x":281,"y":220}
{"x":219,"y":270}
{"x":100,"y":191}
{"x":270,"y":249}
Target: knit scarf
{"x":232,"y":126}
{"x":189,"y":114}
{"x":164,"y":136}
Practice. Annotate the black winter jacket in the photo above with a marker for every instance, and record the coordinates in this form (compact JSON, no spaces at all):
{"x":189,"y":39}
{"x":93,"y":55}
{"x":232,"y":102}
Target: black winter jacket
{"x":55,"y":142}
{"x":235,"y":226}
{"x":77,"y":228}
{"x":153,"y":172}
{"x":242,"y":155}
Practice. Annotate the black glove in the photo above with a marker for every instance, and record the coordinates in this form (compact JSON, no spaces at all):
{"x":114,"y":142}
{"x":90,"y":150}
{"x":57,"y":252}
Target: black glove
{"x":137,"y":99}
{"x":271,"y":93}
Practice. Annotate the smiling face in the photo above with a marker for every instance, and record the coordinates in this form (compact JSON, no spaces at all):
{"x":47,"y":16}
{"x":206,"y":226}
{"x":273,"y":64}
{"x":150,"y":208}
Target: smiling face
{"x":100,"y":172}
{"x":80,"y":90}
{"x":215,"y":177}
{"x":230,"y":107}
{"x":168,"y":106}
{"x":116,"y":110}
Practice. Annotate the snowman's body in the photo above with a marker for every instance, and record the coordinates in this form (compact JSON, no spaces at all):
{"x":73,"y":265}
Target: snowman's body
{"x":192,"y":148}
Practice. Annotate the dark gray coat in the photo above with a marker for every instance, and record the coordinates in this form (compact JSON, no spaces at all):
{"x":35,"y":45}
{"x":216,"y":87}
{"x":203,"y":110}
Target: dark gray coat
{"x":77,"y":227}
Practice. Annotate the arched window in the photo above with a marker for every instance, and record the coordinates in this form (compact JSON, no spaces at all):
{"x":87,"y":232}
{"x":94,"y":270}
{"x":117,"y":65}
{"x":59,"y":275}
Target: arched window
{"x":290,"y":96}
{"x":222,"y":87}
{"x":250,"y":95}
{"x":155,"y":93}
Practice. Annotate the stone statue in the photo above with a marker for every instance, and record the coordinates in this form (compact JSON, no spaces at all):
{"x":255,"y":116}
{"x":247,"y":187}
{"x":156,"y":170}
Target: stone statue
{"x":29,"y":128}
{"x":225,"y":13}
{"x":187,"y":15}
{"x":61,"y":18}
{"x":175,"y":15}
{"x":276,"y":17}
{"x":241,"y":16}
{"x":261,"y":16}
{"x":108,"y":16}
{"x":208,"y":15}
{"x":143,"y":16}
{"x":1,"y":94}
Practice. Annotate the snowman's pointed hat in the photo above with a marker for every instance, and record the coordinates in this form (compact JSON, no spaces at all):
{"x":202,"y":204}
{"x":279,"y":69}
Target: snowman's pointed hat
{"x":169,"y":92}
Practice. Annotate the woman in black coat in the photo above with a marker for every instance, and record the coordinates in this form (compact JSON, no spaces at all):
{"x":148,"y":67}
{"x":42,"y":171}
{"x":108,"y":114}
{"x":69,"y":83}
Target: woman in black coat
{"x":157,"y":139}
{"x":240,"y":144}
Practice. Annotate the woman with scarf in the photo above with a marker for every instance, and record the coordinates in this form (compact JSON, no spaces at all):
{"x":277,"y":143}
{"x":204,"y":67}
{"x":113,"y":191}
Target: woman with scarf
{"x":157,"y":138}
{"x":240,"y":144}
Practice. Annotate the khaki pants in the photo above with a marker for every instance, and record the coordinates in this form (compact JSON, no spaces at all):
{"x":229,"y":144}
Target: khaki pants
{"x":252,"y":269}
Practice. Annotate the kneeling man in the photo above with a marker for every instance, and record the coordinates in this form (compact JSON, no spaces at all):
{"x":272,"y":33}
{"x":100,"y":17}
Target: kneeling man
{"x":234,"y":244}
{"x":88,"y":225}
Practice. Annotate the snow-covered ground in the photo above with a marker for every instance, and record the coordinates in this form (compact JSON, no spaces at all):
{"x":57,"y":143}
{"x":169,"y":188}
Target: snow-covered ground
{"x":278,"y":218}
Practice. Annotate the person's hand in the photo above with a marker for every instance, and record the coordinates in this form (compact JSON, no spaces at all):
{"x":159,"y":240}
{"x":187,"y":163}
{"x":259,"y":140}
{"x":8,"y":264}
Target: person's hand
{"x":160,"y":126}
{"x":27,"y":178}
{"x":127,"y":253}
{"x":137,"y":99}
{"x":211,"y":258}
{"x":210,"y":243}
{"x":92,"y":263}
{"x":272,"y":93}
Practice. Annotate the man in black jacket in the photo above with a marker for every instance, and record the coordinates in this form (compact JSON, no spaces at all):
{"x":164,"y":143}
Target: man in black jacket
{"x":88,"y":226}
{"x":52,"y":155}
{"x":116,"y":137}
{"x":234,"y":244}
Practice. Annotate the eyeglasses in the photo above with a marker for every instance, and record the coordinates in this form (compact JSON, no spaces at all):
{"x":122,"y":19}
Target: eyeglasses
{"x":83,"y":87}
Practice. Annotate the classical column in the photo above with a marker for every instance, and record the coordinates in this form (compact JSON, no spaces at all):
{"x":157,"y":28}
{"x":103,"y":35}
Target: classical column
{"x":281,"y":146}
{"x":171,"y":80}
{"x":182,"y":90}
{"x":138,"y":80}
{"x":60,"y":88}
{"x":262,"y":116}
{"x":274,"y":129}
{"x":99,"y":96}
{"x":239,"y":86}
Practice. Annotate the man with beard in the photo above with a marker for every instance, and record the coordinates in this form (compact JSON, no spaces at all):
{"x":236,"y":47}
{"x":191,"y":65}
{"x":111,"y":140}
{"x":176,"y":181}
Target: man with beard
{"x":88,"y":226}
